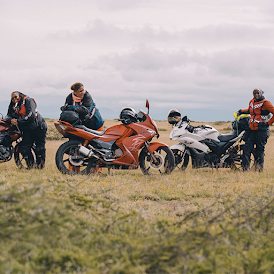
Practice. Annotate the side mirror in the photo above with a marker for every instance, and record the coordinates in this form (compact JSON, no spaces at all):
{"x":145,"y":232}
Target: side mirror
{"x":185,"y":119}
{"x":147,"y":106}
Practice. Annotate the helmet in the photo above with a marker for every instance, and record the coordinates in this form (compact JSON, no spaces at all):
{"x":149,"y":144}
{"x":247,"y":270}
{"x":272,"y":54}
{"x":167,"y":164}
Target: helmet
{"x":71,"y":117}
{"x":174,"y":116}
{"x":128,"y":115}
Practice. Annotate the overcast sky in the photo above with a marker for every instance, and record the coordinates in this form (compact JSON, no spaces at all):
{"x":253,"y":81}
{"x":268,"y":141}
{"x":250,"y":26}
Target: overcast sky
{"x":202,"y":56}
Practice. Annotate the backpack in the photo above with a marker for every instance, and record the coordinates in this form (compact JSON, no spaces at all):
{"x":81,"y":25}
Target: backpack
{"x":93,"y":119}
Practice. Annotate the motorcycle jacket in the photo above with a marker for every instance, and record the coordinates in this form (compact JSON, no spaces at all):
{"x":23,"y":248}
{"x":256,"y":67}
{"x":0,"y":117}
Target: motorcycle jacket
{"x":26,"y":113}
{"x":259,"y":111}
{"x":82,"y":107}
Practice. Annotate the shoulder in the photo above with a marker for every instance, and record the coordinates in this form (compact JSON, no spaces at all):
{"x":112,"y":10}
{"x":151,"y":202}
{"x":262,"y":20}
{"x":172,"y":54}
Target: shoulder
{"x":267,"y":103}
{"x":87,"y":95}
{"x":69,"y":96}
{"x":28,"y":100}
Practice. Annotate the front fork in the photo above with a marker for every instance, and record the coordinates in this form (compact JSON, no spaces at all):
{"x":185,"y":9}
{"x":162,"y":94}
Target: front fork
{"x":151,"y":154}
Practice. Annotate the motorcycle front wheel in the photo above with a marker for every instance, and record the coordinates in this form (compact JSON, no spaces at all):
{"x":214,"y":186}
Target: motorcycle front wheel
{"x":181,"y":159}
{"x":21,"y":161}
{"x":69,"y":160}
{"x":160,"y":162}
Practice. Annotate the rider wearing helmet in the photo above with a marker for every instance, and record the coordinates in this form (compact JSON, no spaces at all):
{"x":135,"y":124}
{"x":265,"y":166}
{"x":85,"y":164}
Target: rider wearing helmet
{"x":128,"y":115}
{"x":259,"y":109}
{"x":174,"y":116}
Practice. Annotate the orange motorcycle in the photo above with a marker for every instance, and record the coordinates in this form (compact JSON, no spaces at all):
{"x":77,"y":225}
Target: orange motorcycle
{"x":116,"y":147}
{"x":8,"y":135}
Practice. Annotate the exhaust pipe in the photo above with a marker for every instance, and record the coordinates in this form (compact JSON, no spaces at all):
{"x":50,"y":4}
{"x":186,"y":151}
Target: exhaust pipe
{"x":90,"y":153}
{"x":87,"y":152}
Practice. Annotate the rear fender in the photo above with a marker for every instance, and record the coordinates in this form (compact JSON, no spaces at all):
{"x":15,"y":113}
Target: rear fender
{"x":153,"y":146}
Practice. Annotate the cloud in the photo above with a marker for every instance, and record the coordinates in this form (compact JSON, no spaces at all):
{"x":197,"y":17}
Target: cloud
{"x":209,"y":37}
{"x":244,"y":62}
{"x":109,"y":5}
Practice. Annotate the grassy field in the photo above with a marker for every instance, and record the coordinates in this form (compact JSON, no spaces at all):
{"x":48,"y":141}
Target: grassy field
{"x":196,"y":221}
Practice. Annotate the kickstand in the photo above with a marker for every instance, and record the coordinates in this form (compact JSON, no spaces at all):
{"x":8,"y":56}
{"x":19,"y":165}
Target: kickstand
{"x":109,"y":170}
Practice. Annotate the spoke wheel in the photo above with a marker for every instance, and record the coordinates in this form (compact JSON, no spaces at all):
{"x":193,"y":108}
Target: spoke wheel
{"x":23,"y":163}
{"x":237,"y":158}
{"x":161,"y":163}
{"x":69,"y":160}
{"x":181,"y":159}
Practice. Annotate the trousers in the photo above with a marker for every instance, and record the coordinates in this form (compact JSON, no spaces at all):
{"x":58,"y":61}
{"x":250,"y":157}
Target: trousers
{"x":37,"y":137}
{"x":256,"y":141}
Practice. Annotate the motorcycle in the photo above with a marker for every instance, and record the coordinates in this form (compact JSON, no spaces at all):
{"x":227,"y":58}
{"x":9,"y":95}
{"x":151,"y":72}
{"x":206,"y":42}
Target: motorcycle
{"x":116,"y":147}
{"x":8,"y":135}
{"x":206,"y":146}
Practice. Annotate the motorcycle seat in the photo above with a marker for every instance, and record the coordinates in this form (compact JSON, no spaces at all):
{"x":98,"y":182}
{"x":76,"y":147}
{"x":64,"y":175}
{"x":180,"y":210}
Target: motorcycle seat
{"x":91,"y":130}
{"x":228,"y":136}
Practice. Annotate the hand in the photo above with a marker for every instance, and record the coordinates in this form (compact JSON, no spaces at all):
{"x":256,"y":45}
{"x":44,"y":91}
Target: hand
{"x":81,"y":110}
{"x":14,"y":122}
{"x":239,"y":112}
{"x":66,"y":107}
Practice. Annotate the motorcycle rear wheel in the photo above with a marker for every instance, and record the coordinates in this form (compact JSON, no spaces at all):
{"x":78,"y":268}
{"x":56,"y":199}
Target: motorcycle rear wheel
{"x":21,"y":162}
{"x":181,"y":159}
{"x":69,"y":160}
{"x":237,"y":160}
{"x":164,"y":163}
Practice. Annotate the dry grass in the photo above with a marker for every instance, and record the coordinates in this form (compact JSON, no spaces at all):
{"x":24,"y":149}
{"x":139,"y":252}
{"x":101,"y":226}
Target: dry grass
{"x":171,"y":196}
{"x":197,"y":221}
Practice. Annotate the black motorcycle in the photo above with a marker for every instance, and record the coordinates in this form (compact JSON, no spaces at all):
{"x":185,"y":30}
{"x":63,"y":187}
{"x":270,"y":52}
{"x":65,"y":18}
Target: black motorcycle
{"x":8,"y":135}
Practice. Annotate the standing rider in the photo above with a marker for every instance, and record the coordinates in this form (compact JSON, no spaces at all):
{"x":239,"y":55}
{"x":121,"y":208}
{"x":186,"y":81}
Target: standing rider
{"x":259,"y":109}
{"x":23,"y":113}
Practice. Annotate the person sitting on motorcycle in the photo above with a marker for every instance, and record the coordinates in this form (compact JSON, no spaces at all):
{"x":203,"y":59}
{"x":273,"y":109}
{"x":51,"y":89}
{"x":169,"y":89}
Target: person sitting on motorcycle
{"x":259,"y":109}
{"x":22,"y":113}
{"x":81,"y":102}
{"x":78,"y":100}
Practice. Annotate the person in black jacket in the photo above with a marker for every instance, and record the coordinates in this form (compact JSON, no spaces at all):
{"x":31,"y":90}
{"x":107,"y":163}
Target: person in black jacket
{"x":22,"y":113}
{"x":78,"y":100}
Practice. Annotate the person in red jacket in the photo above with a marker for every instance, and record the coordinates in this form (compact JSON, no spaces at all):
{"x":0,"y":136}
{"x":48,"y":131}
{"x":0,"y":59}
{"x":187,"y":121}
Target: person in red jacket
{"x":259,"y":109}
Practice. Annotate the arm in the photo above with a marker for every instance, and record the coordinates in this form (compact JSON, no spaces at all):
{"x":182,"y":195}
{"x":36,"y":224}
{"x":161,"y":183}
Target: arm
{"x":244,"y":111}
{"x":87,"y":101}
{"x":270,"y":108}
{"x":86,"y":104}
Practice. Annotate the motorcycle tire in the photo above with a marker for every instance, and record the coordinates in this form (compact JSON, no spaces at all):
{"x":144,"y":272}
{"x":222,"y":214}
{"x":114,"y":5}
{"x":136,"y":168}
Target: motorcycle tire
{"x":21,"y":162}
{"x":181,"y":160}
{"x":70,"y":161}
{"x":237,"y":160}
{"x":164,"y":161}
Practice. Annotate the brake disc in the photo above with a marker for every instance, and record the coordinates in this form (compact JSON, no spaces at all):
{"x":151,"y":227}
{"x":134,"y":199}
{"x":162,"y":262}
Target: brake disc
{"x":160,"y":161}
{"x":76,"y":160}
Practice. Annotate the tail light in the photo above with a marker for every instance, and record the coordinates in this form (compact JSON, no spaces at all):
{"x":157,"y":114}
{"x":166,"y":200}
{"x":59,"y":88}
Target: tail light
{"x":61,"y":128}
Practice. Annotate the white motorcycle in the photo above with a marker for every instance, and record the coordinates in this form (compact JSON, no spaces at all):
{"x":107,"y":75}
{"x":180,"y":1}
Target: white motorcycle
{"x":206,"y":146}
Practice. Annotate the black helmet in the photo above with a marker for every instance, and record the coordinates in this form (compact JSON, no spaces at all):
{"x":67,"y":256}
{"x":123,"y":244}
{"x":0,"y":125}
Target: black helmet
{"x":128,"y":115}
{"x":174,"y":116}
{"x":71,"y":117}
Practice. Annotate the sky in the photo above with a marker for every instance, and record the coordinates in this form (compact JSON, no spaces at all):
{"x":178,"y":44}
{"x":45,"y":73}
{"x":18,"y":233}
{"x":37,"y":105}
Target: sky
{"x":203,"y":57}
